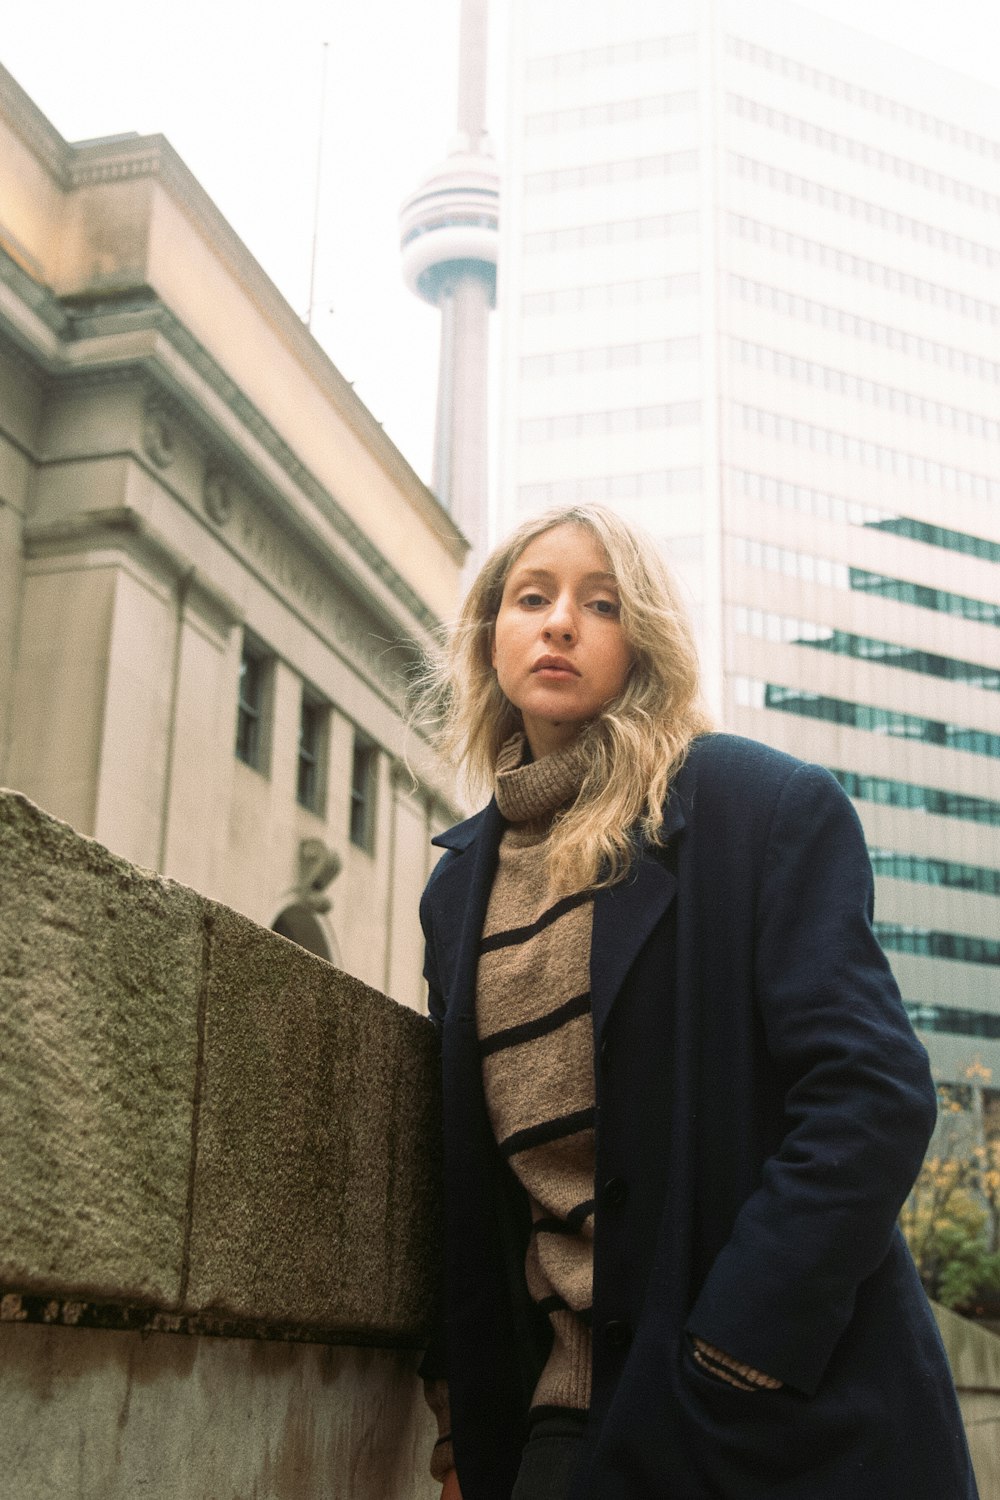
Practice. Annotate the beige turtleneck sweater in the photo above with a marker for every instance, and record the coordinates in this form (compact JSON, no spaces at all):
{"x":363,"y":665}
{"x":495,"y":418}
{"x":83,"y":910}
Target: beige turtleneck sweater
{"x":536,"y":1044}
{"x":537,"y":1047}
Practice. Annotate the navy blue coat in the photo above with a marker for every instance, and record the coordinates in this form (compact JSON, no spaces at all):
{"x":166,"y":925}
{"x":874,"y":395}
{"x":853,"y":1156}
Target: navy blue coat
{"x":762,"y":1109}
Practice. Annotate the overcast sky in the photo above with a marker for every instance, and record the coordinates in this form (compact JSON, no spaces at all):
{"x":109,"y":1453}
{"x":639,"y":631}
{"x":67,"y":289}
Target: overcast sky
{"x":236,"y":88}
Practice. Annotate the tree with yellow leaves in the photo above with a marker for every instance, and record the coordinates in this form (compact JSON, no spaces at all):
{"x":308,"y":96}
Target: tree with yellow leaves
{"x":952,"y":1217}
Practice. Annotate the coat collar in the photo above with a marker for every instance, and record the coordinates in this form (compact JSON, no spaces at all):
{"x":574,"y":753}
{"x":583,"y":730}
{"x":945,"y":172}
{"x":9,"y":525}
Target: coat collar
{"x":624,"y":914}
{"x":461,"y":835}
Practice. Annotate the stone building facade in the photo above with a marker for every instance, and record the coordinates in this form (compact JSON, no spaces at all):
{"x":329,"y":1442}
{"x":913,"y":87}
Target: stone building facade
{"x":217,"y":573}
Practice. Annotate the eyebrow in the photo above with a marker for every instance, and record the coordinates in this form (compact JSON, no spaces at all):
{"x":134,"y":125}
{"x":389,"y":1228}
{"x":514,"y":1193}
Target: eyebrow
{"x":598,"y":577}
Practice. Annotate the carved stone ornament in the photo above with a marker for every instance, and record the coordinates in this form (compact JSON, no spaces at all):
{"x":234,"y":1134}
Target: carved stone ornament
{"x":318,"y":866}
{"x":217,"y":496}
{"x":158,"y":438}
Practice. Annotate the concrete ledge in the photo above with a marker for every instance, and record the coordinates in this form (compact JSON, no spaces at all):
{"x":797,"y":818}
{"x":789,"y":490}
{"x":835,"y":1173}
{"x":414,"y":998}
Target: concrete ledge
{"x":974,"y":1356}
{"x":112,"y":1416}
{"x":199,"y":1117}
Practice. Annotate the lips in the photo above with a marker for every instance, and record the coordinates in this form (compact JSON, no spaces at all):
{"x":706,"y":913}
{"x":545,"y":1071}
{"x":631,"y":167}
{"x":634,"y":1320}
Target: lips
{"x":555,"y":664}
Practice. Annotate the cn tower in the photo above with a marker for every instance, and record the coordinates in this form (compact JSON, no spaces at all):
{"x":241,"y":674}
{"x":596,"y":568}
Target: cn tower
{"x":448,"y":236}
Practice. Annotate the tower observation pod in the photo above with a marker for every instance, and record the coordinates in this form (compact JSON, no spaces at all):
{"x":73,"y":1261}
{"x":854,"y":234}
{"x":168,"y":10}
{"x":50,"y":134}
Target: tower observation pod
{"x":448,"y":237}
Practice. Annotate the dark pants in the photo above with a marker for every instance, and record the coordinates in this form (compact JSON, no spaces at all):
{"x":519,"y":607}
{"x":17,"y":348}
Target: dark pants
{"x":550,"y":1457}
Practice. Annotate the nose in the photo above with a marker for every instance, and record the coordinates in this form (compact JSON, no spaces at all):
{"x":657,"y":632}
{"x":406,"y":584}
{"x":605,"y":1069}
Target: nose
{"x":561,"y":621}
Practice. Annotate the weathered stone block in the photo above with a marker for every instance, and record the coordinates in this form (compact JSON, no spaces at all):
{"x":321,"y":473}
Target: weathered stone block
{"x":315,"y":1197}
{"x":974,"y":1356}
{"x":96,"y":1415}
{"x":100,"y":974}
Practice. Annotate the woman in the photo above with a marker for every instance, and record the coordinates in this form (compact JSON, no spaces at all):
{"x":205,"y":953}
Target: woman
{"x":682,"y":1100}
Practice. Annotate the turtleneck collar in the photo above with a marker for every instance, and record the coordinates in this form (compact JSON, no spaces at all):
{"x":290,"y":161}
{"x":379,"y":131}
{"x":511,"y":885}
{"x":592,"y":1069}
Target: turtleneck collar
{"x":528,"y":793}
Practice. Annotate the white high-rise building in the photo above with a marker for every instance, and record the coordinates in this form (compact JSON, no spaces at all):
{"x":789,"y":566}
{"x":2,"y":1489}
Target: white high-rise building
{"x":750,"y":296}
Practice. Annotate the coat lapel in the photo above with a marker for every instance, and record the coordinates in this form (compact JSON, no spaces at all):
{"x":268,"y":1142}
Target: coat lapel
{"x":461,"y":898}
{"x":624,"y":918}
{"x":624,"y":915}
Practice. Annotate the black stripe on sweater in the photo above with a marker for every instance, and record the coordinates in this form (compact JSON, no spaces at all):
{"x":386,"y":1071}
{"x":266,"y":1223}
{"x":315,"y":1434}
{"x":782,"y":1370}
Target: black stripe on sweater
{"x":548,"y":1130}
{"x":514,"y":935}
{"x":555,"y":1303}
{"x":570,"y":1225}
{"x":528,"y":1031}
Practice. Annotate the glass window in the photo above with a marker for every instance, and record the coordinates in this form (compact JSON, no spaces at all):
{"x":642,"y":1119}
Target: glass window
{"x":364,"y":778}
{"x":877,"y":720}
{"x":949,"y":1018}
{"x":310,"y":783}
{"x":254,"y":684}
{"x":930,"y":799}
{"x":931,"y":944}
{"x":940,"y":872}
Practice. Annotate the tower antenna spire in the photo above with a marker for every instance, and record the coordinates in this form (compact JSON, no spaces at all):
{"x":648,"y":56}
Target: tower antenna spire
{"x":319,"y":185}
{"x":448,"y":236}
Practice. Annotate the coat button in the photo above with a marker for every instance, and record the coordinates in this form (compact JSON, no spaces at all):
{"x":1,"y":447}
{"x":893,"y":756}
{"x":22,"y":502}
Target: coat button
{"x":615,"y":1192}
{"x":617,"y":1334}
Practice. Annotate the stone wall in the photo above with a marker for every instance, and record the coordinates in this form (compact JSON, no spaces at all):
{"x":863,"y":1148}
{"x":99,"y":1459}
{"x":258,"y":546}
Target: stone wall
{"x":219,"y":1205}
{"x":215,"y":1172}
{"x":975,"y":1363}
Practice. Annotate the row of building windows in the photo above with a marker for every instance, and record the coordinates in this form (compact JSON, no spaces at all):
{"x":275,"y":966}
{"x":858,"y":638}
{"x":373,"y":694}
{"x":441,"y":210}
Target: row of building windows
{"x":609,"y":357}
{"x":838,"y":575}
{"x":624,"y":419}
{"x":853,"y":93}
{"x":939,"y":536}
{"x":953,"y":1020}
{"x":612,"y":294}
{"x":855,"y":150}
{"x":766,"y":626}
{"x":887,"y":278}
{"x":838,"y":320}
{"x":614,"y":112}
{"x":844,"y":445}
{"x":606,"y":173}
{"x":903,"y":591}
{"x":859,"y":388}
{"x":874,"y":214}
{"x":751,"y":693}
{"x":900,"y":938}
{"x":886,"y":792}
{"x":582,"y":59}
{"x":655,"y":484}
{"x":825,"y":507}
{"x":610,"y":232}
{"x":253,"y":745}
{"x":925,"y":870}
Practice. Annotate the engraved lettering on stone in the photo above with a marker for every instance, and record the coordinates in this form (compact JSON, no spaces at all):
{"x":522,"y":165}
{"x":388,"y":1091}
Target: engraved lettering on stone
{"x":308,"y":587}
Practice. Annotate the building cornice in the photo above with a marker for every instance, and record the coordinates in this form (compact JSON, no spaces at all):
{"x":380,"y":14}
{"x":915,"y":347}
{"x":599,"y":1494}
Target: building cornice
{"x":36,"y":131}
{"x":133,"y":157}
{"x":113,"y":323}
{"x":121,"y":526}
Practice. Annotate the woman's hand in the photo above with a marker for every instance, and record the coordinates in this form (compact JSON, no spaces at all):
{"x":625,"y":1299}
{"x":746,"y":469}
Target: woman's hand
{"x":449,"y":1486}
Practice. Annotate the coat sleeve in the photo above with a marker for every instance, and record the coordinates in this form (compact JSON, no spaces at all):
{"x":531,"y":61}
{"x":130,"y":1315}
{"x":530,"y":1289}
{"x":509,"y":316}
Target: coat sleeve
{"x":858,"y":1099}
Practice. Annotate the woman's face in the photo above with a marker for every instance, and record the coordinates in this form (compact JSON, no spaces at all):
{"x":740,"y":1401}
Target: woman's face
{"x":559,"y":650}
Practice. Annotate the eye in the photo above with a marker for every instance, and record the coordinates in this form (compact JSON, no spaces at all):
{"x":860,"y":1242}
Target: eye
{"x":531,"y":600}
{"x":609,"y":607}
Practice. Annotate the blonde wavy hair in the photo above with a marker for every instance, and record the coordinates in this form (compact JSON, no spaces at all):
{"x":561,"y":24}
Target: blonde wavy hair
{"x":632,"y":750}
